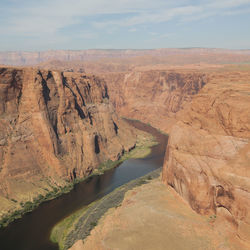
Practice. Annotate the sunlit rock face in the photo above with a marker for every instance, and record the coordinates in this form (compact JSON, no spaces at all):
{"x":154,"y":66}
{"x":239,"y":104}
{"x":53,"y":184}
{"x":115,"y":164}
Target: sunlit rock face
{"x":54,"y":127}
{"x":208,"y":155}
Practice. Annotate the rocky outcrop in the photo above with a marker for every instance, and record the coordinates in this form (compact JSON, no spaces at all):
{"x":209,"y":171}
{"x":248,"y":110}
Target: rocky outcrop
{"x":152,"y":216}
{"x":54,"y":127}
{"x":208,"y":155}
{"x":153,"y":96}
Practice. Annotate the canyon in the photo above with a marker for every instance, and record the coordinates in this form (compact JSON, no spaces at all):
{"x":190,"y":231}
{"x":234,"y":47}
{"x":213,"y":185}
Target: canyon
{"x":58,"y":126}
{"x":55,"y":127}
{"x":153,"y":96}
{"x":206,"y":113}
{"x":205,"y":110}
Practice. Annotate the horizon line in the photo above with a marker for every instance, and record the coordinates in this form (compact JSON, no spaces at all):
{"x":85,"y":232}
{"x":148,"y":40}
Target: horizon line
{"x":103,"y":49}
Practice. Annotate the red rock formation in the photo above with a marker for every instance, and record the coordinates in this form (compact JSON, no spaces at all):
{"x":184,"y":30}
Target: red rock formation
{"x":208,"y":155}
{"x":54,"y":127}
{"x":153,"y":96}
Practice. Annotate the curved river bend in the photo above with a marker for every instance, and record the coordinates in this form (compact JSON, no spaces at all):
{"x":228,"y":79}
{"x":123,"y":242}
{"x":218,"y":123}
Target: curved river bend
{"x":32,"y":231}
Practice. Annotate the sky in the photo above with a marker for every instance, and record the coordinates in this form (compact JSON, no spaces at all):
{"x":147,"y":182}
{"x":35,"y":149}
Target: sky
{"x":32,"y":25}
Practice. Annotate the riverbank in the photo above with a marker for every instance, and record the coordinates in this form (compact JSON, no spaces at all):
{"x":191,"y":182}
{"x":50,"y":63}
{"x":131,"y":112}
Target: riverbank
{"x":79,"y":225}
{"x":143,"y":144}
{"x":29,"y":206}
{"x":142,"y":149}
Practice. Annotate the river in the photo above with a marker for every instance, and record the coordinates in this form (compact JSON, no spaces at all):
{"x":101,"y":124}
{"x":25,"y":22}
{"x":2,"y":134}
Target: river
{"x":32,"y":231}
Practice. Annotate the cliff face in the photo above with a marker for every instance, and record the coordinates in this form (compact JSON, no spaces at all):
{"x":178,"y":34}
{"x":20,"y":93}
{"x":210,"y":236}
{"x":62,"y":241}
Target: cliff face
{"x":153,"y":96}
{"x":208,"y":155}
{"x":54,"y":127}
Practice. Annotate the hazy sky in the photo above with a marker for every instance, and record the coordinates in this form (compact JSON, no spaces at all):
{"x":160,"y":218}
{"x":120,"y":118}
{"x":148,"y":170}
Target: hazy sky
{"x":84,"y":24}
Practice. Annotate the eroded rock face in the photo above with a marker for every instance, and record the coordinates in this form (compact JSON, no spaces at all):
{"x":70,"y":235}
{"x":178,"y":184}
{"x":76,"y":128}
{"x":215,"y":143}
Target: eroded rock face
{"x":153,"y":96}
{"x":208,"y":155}
{"x":54,"y":127}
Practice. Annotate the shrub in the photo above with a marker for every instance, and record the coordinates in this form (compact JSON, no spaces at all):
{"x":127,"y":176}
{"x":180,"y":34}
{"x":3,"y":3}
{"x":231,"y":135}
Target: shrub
{"x":93,"y":224}
{"x":40,"y":197}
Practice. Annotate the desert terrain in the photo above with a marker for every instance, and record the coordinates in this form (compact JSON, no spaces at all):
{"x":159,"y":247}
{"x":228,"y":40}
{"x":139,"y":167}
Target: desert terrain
{"x":161,"y":220}
{"x":63,"y":117}
{"x":204,"y":109}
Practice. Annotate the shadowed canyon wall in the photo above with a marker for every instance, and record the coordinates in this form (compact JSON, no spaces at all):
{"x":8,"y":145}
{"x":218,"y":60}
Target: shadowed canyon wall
{"x":208,"y":155}
{"x":54,"y":127}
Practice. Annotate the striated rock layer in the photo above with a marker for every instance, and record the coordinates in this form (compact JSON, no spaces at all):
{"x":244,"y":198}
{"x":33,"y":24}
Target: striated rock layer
{"x":54,"y":127}
{"x":153,"y":96}
{"x":208,"y":155}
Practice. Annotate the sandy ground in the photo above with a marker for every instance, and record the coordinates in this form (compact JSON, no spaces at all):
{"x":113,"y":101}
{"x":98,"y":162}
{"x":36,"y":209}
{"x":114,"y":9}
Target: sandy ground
{"x":153,"y":216}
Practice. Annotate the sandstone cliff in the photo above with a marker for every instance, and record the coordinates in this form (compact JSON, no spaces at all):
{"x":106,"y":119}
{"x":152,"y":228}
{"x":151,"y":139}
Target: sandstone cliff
{"x":208,"y":155}
{"x":54,"y":127}
{"x":153,"y":96}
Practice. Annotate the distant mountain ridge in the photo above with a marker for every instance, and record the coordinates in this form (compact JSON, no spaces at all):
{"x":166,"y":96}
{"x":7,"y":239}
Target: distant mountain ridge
{"x":31,"y":58}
